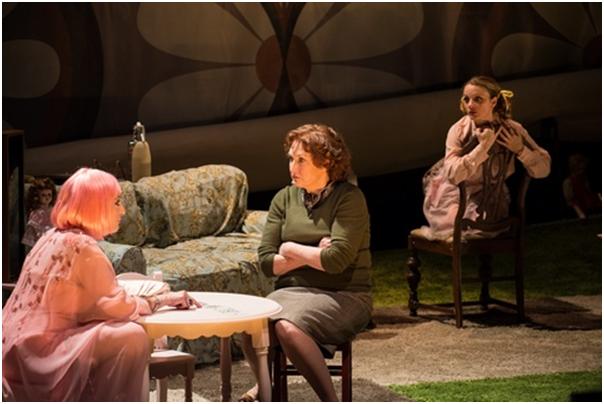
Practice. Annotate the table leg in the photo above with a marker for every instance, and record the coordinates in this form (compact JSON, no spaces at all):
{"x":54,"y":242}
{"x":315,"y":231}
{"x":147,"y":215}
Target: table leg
{"x":225,"y":368}
{"x":264,"y":381}
{"x":260,"y":342}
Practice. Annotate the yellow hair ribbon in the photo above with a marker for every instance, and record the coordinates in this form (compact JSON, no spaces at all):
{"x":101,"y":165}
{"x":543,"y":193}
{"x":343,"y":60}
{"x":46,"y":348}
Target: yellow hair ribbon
{"x":506,"y":93}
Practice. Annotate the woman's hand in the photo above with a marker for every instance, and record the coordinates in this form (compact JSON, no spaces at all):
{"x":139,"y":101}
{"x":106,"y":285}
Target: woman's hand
{"x":325,"y":242}
{"x":180,"y":300}
{"x":510,"y":139}
{"x":485,"y":135}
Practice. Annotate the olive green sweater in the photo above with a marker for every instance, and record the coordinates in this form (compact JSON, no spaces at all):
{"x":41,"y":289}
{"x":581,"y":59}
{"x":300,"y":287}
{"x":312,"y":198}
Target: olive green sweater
{"x":343,"y":217}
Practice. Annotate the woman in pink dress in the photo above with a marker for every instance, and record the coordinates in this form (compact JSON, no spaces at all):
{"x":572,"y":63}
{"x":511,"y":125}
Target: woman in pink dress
{"x":485,"y":127}
{"x":68,"y":329}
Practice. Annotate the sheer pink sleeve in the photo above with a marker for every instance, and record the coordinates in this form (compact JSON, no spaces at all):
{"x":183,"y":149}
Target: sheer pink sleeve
{"x":102,"y":297}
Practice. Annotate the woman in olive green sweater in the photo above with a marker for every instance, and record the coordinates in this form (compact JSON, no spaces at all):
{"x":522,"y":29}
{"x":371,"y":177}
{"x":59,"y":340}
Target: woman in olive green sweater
{"x":316,"y":242}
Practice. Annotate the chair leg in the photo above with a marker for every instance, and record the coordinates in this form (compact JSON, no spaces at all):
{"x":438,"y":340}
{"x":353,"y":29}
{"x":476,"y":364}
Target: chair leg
{"x":457,"y":290}
{"x":189,"y":382}
{"x":519,"y":281}
{"x":485,"y":271}
{"x":225,"y":368}
{"x":162,"y":389}
{"x":279,"y":375}
{"x":283,"y":381}
{"x":276,"y":376}
{"x":413,"y":279}
{"x":347,"y":373}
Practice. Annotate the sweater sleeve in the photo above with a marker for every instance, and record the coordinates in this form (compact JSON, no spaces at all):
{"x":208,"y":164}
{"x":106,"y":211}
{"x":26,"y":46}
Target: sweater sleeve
{"x":351,"y":223}
{"x":271,"y":236}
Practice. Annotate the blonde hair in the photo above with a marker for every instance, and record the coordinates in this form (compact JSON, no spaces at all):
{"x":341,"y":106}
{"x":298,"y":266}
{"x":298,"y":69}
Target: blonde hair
{"x":503,"y":107}
{"x":326,"y":146}
{"x":86,"y":201}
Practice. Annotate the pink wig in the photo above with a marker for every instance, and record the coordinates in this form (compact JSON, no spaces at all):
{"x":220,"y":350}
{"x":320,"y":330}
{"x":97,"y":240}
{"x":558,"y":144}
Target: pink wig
{"x":86,"y":201}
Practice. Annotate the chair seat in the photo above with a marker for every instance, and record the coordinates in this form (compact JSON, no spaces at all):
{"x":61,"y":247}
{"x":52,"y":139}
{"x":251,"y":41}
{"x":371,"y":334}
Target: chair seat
{"x":470,"y":244}
{"x":164,"y":363}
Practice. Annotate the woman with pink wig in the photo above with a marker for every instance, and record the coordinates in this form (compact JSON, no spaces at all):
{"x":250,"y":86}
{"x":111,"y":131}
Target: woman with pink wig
{"x":68,"y":328}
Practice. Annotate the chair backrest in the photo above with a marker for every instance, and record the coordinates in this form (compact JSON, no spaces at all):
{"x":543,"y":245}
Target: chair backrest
{"x":492,"y":203}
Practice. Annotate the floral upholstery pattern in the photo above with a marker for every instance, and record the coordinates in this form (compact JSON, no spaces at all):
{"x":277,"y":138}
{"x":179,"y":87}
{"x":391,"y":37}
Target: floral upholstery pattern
{"x":132,"y":228}
{"x":212,"y":264}
{"x":193,"y":226}
{"x":254,"y":222}
{"x":196,"y":202}
{"x":124,"y":258}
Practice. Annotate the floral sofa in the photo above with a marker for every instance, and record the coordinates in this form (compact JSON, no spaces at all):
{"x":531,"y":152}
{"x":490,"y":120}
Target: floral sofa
{"x":193,"y":226}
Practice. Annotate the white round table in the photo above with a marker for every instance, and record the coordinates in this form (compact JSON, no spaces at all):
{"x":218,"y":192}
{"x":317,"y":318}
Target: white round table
{"x":222,"y":315}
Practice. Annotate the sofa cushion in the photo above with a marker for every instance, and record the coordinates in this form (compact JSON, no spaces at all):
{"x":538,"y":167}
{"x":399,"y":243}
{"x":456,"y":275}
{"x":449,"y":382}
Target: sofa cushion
{"x":124,"y":258}
{"x":254,"y":222}
{"x":192,"y":203}
{"x":214,"y":264}
{"x":132,"y":227}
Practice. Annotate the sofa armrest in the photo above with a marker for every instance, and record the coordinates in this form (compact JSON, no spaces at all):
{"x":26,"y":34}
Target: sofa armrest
{"x":124,"y":257}
{"x":254,"y":222}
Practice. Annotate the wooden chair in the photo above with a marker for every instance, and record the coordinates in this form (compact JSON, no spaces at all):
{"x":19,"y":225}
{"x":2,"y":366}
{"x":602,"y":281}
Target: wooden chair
{"x":511,"y":241}
{"x":281,"y":369}
{"x":168,"y":363}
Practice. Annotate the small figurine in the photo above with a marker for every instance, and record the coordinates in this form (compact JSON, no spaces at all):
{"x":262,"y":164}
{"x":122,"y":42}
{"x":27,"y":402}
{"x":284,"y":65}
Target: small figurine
{"x":38,"y":205}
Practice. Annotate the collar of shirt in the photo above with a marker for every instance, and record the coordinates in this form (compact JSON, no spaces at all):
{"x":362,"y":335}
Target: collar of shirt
{"x":312,"y":200}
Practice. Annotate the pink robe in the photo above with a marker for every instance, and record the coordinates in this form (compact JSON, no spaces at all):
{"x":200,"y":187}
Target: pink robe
{"x":442,"y":193}
{"x":68,"y":330}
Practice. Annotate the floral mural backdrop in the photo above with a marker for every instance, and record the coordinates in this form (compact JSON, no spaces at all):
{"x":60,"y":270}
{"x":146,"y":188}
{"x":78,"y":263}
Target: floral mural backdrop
{"x":85,"y":70}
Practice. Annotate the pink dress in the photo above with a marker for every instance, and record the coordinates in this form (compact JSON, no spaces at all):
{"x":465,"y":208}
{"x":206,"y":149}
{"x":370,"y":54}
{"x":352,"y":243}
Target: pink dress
{"x":68,"y":333}
{"x":463,"y":161}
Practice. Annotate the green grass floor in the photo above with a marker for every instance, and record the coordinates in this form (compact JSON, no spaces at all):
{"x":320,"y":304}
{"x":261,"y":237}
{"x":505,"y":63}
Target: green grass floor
{"x":561,"y":259}
{"x":551,"y":387}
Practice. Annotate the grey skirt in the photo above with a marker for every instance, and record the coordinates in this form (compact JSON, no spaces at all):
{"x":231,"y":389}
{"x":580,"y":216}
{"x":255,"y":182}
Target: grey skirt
{"x":329,"y":317}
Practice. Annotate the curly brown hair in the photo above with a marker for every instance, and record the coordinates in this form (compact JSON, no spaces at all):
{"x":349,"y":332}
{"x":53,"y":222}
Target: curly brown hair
{"x":33,"y":194}
{"x":326,"y":146}
{"x":504,"y":103}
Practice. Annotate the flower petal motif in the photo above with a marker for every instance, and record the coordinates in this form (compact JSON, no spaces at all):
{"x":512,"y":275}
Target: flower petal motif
{"x":34,"y":69}
{"x":336,"y":83}
{"x":202,"y":96}
{"x":358,"y":30}
{"x":525,"y":52}
{"x":572,"y":22}
{"x":528,"y":52}
{"x":256,"y":17}
{"x":343,"y":34}
{"x":204,"y":31}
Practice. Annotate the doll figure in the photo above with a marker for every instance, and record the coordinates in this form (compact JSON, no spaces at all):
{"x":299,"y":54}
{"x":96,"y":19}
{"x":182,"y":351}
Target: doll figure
{"x":577,"y":190}
{"x":40,"y":198}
